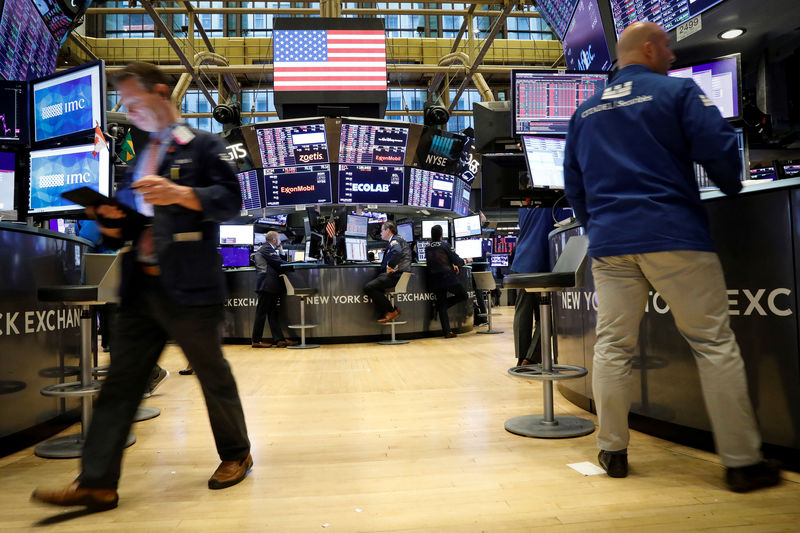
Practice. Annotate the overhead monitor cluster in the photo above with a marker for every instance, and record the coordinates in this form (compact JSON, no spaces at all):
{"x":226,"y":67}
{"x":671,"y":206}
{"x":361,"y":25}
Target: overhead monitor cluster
{"x":667,"y":13}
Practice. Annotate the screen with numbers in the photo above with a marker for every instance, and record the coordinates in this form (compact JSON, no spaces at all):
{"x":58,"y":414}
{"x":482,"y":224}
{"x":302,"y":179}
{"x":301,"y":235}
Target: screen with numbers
{"x":248,"y":181}
{"x":430,"y":189}
{"x":667,"y":13}
{"x":367,"y":184}
{"x":373,"y":144}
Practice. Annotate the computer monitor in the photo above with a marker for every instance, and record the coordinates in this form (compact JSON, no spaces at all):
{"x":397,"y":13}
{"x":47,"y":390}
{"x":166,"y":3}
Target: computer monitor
{"x":666,"y":13}
{"x":367,"y":184}
{"x":355,"y":249}
{"x":259,"y":238}
{"x":467,"y":226}
{"x":314,"y":246}
{"x":462,"y":192}
{"x":705,"y":183}
{"x":248,"y":181}
{"x":14,"y":96}
{"x":763,"y":173}
{"x":721,"y":81}
{"x":298,"y":255}
{"x":545,"y":159}
{"x":504,"y":244}
{"x":585,"y":45}
{"x":498,"y":260}
{"x":406,"y":231}
{"x":422,"y":246}
{"x":427,"y":225}
{"x":430,"y":189}
{"x":356,"y":226}
{"x":273,"y":220}
{"x":57,"y":170}
{"x":544,"y":101}
{"x":493,"y":126}
{"x":27,"y":48}
{"x":791,"y":169}
{"x":469,"y":248}
{"x":241,"y":234}
{"x":293,"y":144}
{"x":7,"y":170}
{"x":557,"y":13}
{"x":69,"y":103}
{"x":302,"y":185}
{"x":381,"y":143}
{"x":235,"y":256}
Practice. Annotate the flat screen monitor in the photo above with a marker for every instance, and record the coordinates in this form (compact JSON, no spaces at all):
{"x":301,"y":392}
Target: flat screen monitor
{"x":763,"y":173}
{"x":503,"y":244}
{"x":248,"y":181}
{"x":469,"y":248}
{"x":55,"y":17}
{"x":493,"y":127}
{"x":240,"y":234}
{"x":791,"y":170}
{"x":299,"y":143}
{"x":298,"y":255}
{"x":27,"y":48}
{"x":406,"y":231}
{"x":310,"y":184}
{"x":705,"y":183}
{"x":462,"y":192}
{"x":355,"y":249}
{"x":667,"y":13}
{"x":545,"y":159}
{"x":374,"y":217}
{"x":427,"y":225}
{"x":498,"y":260}
{"x":373,"y":143}
{"x":365,"y":184}
{"x":259,"y":238}
{"x":14,"y":112}
{"x":273,"y":220}
{"x":467,"y":226}
{"x":422,"y":246}
{"x":57,"y":170}
{"x":7,"y":168}
{"x":356,"y":226}
{"x":557,"y":13}
{"x":314,"y":246}
{"x":430,"y":189}
{"x":235,"y":256}
{"x":544,"y":101}
{"x":585,"y":45}
{"x":71,"y":102}
{"x":720,"y":80}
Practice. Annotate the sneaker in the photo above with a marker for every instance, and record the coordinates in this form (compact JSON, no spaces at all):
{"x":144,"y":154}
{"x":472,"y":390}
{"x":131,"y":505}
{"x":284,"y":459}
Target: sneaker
{"x":153,"y":385}
{"x":757,"y":476}
{"x":615,"y":464}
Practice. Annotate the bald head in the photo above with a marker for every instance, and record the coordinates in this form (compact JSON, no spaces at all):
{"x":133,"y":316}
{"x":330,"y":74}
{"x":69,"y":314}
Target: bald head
{"x":645,"y":43}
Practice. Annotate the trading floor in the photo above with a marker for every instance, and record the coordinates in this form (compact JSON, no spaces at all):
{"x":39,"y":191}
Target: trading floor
{"x":364,"y":437}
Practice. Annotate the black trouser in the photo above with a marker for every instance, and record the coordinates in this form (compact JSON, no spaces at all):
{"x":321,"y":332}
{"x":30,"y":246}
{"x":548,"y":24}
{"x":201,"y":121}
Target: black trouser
{"x":376,"y":290}
{"x":443,"y":303}
{"x":142,"y":329}
{"x":527,"y":340}
{"x":267,"y":308}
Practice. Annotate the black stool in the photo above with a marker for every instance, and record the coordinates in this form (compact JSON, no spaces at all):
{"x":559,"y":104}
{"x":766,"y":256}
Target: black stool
{"x":399,"y":288}
{"x":302,"y":293}
{"x":567,"y":273}
{"x":485,"y":284}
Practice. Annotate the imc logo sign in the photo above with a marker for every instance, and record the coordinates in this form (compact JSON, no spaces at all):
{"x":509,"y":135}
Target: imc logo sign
{"x":64,"y":108}
{"x":59,"y":170}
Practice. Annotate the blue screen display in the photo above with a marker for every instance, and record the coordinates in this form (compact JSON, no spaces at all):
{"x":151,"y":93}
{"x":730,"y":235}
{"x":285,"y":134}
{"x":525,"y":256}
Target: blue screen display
{"x":235,"y":256}
{"x":68,"y":103}
{"x":360,"y":184}
{"x":585,"y":46}
{"x":27,"y":49}
{"x":57,"y":170}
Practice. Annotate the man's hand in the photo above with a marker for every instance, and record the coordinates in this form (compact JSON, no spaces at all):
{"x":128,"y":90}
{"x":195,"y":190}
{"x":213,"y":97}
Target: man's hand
{"x":455,"y":267}
{"x":390,"y":270}
{"x":158,"y":190}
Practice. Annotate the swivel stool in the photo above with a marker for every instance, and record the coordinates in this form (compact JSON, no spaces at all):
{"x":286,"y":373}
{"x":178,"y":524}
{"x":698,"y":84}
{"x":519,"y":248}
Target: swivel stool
{"x":303,"y":293}
{"x":485,"y":284}
{"x":567,"y":273}
{"x":400,"y":288}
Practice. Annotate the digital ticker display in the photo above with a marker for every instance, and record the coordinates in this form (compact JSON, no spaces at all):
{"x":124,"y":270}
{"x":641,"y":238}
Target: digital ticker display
{"x":557,"y":14}
{"x":461,"y":194}
{"x":666,"y":13}
{"x":365,"y":184}
{"x":27,"y":48}
{"x":54,"y":17}
{"x":585,"y":46}
{"x":13,"y":112}
{"x":310,"y":184}
{"x":248,"y":181}
{"x":370,"y":144}
{"x":430,"y":189}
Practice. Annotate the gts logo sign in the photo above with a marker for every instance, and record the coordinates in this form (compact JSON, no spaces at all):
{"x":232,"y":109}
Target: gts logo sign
{"x":371,"y":187}
{"x":308,"y":158}
{"x":61,"y":108}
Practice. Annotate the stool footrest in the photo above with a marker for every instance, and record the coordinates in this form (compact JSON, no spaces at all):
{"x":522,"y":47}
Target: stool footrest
{"x":71,"y":389}
{"x":302,"y":326}
{"x":394,"y":323}
{"x":558,"y":372}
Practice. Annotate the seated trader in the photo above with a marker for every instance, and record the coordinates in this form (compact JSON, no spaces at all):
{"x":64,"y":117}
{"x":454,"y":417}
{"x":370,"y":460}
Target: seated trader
{"x":442,"y":270}
{"x":269,"y":287}
{"x":172,"y":287}
{"x":396,"y":260}
{"x":629,"y":178}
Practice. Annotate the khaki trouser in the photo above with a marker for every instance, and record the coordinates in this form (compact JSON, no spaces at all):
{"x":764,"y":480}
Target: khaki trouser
{"x":693,"y":285}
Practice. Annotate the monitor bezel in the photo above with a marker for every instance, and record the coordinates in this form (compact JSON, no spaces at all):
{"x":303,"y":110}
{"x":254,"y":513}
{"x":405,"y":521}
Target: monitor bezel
{"x":527,"y":160}
{"x":739,"y":95}
{"x":428,"y":224}
{"x":455,"y":224}
{"x":252,"y":235}
{"x":366,"y":226}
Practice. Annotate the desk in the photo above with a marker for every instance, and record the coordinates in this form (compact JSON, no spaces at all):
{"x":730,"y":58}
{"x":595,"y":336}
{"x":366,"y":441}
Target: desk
{"x":341,"y":309}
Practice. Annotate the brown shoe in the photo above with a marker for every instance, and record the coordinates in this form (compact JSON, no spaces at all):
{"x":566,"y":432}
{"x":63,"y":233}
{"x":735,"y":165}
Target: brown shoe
{"x":260,"y":344}
{"x":391,"y":315}
{"x":230,"y":473}
{"x":286,"y":342}
{"x":450,"y":335}
{"x":74,"y":495}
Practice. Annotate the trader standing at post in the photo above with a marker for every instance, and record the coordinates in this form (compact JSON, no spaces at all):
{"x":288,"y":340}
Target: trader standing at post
{"x":629,"y":177}
{"x":172,"y":288}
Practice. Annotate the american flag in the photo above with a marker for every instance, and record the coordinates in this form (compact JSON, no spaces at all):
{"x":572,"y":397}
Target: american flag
{"x":330,"y":60}
{"x":330,"y":229}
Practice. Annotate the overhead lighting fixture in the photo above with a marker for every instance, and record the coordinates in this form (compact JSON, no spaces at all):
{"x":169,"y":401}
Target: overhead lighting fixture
{"x":732,"y":33}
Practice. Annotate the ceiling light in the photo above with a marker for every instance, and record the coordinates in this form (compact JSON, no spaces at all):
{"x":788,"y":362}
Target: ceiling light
{"x":732,"y":33}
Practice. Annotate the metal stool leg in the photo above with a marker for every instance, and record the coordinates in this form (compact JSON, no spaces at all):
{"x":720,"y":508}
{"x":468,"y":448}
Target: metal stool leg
{"x":488,"y":300}
{"x":303,"y":345}
{"x":393,"y":324}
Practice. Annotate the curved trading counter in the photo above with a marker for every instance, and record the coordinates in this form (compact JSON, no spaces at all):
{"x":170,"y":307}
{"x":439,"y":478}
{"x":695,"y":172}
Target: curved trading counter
{"x":756,"y":235}
{"x":341,"y":309}
{"x":36,"y":340}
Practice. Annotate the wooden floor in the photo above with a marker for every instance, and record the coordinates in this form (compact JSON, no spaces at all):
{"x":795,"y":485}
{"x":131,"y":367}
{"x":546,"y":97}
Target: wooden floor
{"x":391,"y":438}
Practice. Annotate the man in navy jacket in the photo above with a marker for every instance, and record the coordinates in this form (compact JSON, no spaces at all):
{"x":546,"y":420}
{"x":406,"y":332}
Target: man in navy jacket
{"x":396,"y":260}
{"x":172,"y":288}
{"x":629,"y":178}
{"x":269,"y":287}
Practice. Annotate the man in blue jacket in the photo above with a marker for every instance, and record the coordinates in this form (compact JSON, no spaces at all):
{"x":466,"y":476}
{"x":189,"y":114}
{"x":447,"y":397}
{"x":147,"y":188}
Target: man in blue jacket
{"x":629,"y":178}
{"x":172,"y":287}
{"x":396,"y":260}
{"x":269,"y":287}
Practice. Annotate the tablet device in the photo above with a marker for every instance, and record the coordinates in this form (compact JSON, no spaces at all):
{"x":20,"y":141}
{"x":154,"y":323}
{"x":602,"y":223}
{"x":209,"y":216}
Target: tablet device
{"x":87,"y":196}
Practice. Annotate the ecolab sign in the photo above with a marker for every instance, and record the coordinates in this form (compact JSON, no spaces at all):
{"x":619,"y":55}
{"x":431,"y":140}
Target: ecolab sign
{"x":371,"y":187}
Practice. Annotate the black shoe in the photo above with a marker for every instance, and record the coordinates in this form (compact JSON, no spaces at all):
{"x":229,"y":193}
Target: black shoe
{"x":757,"y":476}
{"x":615,"y":464}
